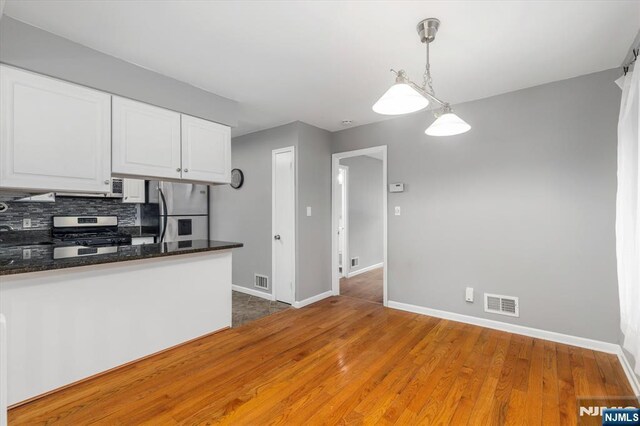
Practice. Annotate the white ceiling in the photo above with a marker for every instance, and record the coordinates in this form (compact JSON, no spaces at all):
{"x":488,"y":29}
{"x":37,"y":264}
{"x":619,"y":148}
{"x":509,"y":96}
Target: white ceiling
{"x":321,"y":62}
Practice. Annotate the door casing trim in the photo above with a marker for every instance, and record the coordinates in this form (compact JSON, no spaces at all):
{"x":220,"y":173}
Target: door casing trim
{"x":274,"y":152}
{"x":335,"y":162}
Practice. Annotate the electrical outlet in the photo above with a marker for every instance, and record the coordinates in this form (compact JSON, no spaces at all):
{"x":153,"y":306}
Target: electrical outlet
{"x":26,"y":253}
{"x":26,"y":223}
{"x":397,"y":211}
{"x":308,"y":210}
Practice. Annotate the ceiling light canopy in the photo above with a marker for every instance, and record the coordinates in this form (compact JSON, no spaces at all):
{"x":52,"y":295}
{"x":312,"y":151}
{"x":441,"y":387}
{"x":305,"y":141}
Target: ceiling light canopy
{"x":405,"y":96}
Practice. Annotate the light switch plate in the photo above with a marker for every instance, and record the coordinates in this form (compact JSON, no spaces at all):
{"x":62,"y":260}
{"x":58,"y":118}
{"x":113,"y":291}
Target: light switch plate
{"x":397,"y":210}
{"x":308,"y":211}
{"x":26,"y":223}
{"x":26,"y":253}
{"x":396,"y":187}
{"x":468,"y":295}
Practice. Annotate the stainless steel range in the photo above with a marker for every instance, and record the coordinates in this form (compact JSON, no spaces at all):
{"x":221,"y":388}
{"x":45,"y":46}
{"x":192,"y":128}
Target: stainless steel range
{"x":76,"y":236}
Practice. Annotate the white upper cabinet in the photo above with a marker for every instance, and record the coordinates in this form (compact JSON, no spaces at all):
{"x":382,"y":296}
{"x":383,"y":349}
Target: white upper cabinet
{"x":146,"y":140}
{"x":54,"y":136}
{"x":206,"y":151}
{"x":133,"y":191}
{"x":58,"y":136}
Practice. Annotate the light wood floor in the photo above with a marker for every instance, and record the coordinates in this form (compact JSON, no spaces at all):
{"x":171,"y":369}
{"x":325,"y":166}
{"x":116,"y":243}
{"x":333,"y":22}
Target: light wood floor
{"x":366,"y":286}
{"x":343,"y":360}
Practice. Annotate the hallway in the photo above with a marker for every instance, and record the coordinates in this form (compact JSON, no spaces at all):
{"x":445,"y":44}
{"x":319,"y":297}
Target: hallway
{"x":366,"y":286}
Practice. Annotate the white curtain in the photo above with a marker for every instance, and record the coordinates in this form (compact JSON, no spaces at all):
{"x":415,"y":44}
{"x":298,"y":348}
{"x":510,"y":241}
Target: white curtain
{"x":628,"y":215}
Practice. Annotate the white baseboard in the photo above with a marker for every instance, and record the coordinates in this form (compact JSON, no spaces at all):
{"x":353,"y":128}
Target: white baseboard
{"x":313,"y":299}
{"x":366,"y":269}
{"x":253,"y":292}
{"x":628,"y":371}
{"x":566,"y":339}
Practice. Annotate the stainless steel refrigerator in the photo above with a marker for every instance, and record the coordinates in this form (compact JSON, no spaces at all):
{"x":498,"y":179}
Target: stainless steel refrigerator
{"x":182,"y":210}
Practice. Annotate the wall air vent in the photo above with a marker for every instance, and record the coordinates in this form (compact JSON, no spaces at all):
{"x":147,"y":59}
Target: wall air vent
{"x":355,"y":261}
{"x":503,"y":305}
{"x":261,"y":281}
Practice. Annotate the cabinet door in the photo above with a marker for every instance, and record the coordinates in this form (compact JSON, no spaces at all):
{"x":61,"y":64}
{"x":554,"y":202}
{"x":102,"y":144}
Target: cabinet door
{"x":206,"y":151}
{"x":133,"y":191}
{"x":146,"y":140}
{"x":54,"y":136}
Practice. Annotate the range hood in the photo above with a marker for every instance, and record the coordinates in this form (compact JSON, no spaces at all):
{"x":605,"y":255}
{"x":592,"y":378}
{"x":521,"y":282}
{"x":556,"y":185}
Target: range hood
{"x":48,"y":197}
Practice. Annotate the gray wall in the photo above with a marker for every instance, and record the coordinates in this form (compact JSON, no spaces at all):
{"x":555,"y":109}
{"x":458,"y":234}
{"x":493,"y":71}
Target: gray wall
{"x":31,"y":48}
{"x":313,"y":273}
{"x":365,"y":210}
{"x":522,"y":205}
{"x":245,"y":215}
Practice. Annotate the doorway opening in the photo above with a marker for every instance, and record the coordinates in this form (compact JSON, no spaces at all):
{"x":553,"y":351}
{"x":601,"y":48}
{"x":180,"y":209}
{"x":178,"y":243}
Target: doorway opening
{"x":359,"y":224}
{"x":343,"y":221}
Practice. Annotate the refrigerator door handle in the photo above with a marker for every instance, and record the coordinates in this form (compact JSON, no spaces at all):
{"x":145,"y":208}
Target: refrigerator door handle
{"x":164,"y":208}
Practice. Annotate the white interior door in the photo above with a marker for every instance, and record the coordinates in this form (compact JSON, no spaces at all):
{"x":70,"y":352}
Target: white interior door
{"x":283,"y":224}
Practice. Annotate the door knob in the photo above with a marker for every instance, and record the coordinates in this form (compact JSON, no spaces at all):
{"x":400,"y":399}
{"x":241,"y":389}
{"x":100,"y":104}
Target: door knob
{"x":276,"y":237}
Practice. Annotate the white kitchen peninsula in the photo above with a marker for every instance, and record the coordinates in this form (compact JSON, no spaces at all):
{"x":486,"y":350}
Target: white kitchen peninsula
{"x":69,"y":319}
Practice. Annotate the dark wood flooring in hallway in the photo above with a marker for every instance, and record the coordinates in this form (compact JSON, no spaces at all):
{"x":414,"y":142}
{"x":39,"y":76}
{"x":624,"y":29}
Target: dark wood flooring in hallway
{"x":365,"y":286}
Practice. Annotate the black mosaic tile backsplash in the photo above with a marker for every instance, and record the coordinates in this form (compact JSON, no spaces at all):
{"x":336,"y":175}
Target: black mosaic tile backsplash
{"x":41,"y":213}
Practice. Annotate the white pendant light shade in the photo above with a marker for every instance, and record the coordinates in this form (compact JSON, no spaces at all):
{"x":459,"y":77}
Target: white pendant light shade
{"x":400,"y":99}
{"x":447,"y":124}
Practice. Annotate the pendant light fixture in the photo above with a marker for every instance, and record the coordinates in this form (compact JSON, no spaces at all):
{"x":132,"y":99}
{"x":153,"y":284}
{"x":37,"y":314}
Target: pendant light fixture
{"x":401,"y":98}
{"x":405,"y":96}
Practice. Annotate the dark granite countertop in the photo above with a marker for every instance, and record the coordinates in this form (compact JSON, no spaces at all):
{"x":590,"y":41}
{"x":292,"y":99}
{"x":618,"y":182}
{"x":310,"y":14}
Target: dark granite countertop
{"x":42,"y":254}
{"x":25,"y":237}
